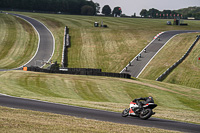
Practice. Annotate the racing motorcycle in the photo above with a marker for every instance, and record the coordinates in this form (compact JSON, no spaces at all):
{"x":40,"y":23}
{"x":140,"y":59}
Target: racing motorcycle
{"x":144,"y":113}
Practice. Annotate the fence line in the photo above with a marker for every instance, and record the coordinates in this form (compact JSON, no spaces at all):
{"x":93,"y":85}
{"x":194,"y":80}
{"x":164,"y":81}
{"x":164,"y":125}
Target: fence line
{"x":169,"y":70}
{"x":66,"y":44}
{"x":78,"y":71}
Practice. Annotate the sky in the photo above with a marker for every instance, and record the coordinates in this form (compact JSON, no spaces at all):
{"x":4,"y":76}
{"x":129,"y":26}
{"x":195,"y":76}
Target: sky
{"x":129,"y":7}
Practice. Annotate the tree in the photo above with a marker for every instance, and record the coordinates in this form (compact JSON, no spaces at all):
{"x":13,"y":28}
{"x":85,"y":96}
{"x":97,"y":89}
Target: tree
{"x":166,"y":13}
{"x":93,"y":5}
{"x":197,"y":15}
{"x":143,"y":13}
{"x":87,"y":10}
{"x":152,"y":12}
{"x":134,"y":15}
{"x":67,"y":6}
{"x":117,"y":11}
{"x":97,"y":7}
{"x":106,"y":10}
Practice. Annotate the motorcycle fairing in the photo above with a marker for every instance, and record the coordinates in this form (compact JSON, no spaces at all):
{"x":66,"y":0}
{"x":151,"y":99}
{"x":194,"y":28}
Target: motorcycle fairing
{"x":150,"y":105}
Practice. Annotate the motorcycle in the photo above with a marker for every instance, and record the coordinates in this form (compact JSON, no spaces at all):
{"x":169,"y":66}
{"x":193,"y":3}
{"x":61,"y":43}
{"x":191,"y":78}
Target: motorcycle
{"x":144,"y":113}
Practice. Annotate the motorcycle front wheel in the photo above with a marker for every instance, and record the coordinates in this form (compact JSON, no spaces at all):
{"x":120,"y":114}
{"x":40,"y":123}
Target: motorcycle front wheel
{"x":125,"y":113}
{"x":146,"y":114}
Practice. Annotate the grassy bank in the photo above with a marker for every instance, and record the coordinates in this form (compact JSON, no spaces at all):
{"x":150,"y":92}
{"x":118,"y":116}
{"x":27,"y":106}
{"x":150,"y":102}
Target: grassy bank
{"x":112,"y":94}
{"x":191,"y":66}
{"x":18,"y":42}
{"x":187,"y":73}
{"x":107,"y":48}
{"x":20,"y":121}
{"x":110,"y":49}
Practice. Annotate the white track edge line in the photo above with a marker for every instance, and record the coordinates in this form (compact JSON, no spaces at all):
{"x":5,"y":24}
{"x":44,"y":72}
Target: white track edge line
{"x":155,"y":55}
{"x":159,"y":51}
{"x":142,"y":50}
{"x":38,"y":41}
{"x":37,"y":45}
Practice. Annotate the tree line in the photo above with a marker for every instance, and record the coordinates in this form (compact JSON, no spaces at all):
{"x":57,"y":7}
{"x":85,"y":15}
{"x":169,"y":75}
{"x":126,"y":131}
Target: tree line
{"x":106,"y":10}
{"x":190,"y":12}
{"x":65,"y":6}
{"x":86,"y":7}
{"x":182,"y":13}
{"x":83,"y":7}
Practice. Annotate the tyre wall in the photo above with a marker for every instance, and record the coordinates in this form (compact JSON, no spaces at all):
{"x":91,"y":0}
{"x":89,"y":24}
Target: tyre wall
{"x":79,"y":71}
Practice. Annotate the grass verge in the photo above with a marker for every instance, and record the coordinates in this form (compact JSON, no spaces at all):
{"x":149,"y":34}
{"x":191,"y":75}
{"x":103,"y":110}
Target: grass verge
{"x":108,"y":48}
{"x":187,"y":73}
{"x":112,"y":94}
{"x":191,"y":66}
{"x":112,"y":48}
{"x":18,"y":42}
{"x":20,"y":121}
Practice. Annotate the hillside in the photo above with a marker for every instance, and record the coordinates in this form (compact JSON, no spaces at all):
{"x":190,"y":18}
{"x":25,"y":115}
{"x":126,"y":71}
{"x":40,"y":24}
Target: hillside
{"x":18,"y":41}
{"x":110,"y":49}
{"x":185,"y":74}
{"x":188,"y":72}
{"x":104,"y":48}
{"x":107,"y":48}
{"x":113,"y":94}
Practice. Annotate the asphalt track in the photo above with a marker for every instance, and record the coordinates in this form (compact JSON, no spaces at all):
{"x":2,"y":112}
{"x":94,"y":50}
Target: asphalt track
{"x":44,"y":53}
{"x":138,"y":65}
{"x":46,"y":43}
{"x":28,"y":104}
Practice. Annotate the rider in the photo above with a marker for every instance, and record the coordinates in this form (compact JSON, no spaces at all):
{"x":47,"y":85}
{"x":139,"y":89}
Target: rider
{"x":146,"y":100}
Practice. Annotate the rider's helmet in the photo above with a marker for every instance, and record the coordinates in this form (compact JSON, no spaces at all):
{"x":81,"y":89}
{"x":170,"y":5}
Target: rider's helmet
{"x":151,"y":99}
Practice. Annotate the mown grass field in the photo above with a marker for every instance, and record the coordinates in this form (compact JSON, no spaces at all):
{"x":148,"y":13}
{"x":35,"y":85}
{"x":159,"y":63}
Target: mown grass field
{"x":18,"y":42}
{"x":113,"y":94}
{"x":20,"y":121}
{"x":107,"y":48}
{"x":188,"y":73}
{"x":111,"y":49}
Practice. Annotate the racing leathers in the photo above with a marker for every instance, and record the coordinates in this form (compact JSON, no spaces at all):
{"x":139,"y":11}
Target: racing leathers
{"x":146,"y":100}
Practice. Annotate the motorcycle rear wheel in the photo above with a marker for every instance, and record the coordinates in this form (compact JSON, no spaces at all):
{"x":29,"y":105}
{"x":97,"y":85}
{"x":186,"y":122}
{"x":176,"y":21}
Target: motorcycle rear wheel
{"x":146,"y":114}
{"x":125,"y":113}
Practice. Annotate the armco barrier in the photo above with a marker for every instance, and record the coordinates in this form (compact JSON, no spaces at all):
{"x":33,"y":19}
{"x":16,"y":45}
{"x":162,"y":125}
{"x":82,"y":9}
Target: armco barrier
{"x":166,"y":73}
{"x":80,"y":71}
{"x":76,"y":71}
{"x":66,"y":44}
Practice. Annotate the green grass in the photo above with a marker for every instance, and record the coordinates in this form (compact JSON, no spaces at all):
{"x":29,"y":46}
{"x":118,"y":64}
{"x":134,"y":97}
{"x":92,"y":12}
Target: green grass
{"x":20,"y":121}
{"x":110,"y":49}
{"x":188,"y":73}
{"x":113,"y":94}
{"x":100,"y":47}
{"x":18,"y":42}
